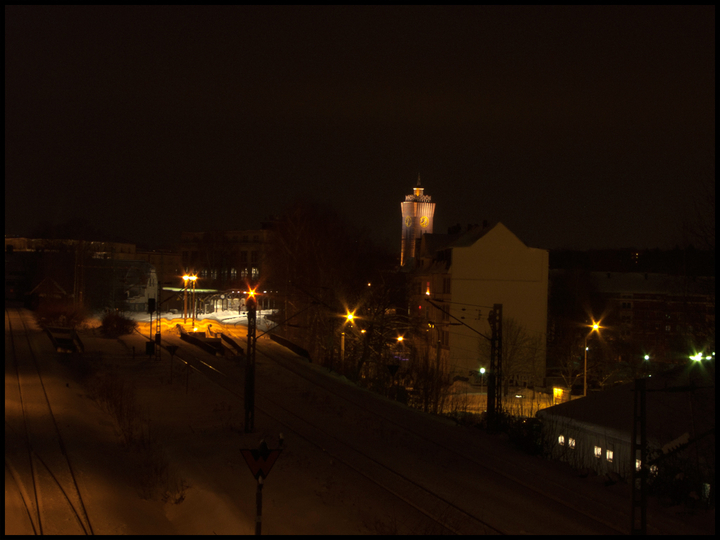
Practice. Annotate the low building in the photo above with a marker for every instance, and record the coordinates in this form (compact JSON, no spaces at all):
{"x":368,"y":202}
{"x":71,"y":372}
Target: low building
{"x":96,"y":274}
{"x":595,"y":432}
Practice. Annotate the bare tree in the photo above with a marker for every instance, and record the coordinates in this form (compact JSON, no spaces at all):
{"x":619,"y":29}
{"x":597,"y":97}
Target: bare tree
{"x":323,"y":265}
{"x":521,"y":354}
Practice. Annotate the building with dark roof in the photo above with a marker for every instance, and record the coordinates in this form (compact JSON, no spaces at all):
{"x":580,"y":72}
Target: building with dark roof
{"x":595,"y":432}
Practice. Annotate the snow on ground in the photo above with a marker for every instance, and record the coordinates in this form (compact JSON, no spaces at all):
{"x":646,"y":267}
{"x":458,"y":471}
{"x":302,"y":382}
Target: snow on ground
{"x":308,"y":492}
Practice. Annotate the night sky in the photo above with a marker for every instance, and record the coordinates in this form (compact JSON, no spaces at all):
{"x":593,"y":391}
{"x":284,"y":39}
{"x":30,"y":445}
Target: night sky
{"x":576,"y":127}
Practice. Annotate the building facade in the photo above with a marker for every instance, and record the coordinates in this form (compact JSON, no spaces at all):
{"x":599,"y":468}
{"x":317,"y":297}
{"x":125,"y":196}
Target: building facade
{"x":99,"y":275}
{"x":662,"y":317}
{"x":225,"y":259}
{"x":456,"y":280}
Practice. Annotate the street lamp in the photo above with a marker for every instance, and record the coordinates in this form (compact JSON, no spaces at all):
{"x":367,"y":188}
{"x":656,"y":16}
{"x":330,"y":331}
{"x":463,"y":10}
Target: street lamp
{"x":185,"y":279}
{"x":595,"y":326}
{"x":482,"y":381}
{"x":348,"y":318}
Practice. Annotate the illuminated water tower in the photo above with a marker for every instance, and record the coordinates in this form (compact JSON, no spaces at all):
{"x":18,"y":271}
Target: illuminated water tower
{"x":417,"y":215}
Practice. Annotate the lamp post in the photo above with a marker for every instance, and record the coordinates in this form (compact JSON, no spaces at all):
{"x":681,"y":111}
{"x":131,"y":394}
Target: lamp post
{"x":482,"y":384}
{"x":349,"y":317}
{"x":185,"y":280}
{"x":193,"y":279}
{"x":595,"y":326}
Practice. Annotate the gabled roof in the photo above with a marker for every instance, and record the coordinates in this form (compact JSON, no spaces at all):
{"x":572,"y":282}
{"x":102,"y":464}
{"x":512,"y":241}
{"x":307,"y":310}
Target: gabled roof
{"x":472,"y":235}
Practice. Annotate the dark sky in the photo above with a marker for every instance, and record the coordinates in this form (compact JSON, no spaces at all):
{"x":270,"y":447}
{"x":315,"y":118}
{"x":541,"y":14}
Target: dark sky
{"x":576,"y":127}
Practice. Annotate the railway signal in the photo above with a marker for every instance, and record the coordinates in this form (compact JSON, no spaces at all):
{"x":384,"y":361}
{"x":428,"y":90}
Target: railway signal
{"x":251,"y":306}
{"x":260,"y":461}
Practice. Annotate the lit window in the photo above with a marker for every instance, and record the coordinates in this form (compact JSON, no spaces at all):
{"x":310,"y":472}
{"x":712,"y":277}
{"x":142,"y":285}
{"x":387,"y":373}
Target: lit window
{"x":561,"y":440}
{"x":609,"y":455}
{"x":571,"y":442}
{"x":653,"y":470}
{"x":598,"y":452}
{"x":638,"y":464}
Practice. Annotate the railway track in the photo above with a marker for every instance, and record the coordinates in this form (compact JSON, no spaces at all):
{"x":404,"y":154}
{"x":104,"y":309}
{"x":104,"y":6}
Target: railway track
{"x":456,"y":515}
{"x":446,"y":514}
{"x":571,"y":499}
{"x":35,"y":453}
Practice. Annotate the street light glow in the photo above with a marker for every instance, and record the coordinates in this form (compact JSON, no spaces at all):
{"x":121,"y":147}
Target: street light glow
{"x":350,"y":316}
{"x":595,"y":327}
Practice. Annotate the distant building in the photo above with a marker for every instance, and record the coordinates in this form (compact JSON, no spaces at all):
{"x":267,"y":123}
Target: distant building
{"x":655,"y":307}
{"x":225,"y":259}
{"x":96,"y":250}
{"x":97,"y":274}
{"x":465,"y":274}
{"x":664,"y":317}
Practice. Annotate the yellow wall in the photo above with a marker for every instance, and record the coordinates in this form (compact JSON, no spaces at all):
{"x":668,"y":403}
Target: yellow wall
{"x":497,"y":269}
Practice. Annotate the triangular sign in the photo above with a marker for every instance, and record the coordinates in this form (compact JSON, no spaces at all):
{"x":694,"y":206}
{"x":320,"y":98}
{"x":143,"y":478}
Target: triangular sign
{"x":259,"y":462}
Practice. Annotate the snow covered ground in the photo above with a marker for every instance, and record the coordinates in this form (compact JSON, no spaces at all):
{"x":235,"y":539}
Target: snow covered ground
{"x":312,"y":489}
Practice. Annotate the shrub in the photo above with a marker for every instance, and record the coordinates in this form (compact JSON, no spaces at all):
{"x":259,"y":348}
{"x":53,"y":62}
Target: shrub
{"x":116,"y":324}
{"x":526,"y":433}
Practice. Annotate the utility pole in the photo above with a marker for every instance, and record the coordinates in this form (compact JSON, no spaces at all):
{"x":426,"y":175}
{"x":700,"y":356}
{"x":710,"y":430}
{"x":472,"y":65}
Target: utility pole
{"x":639,"y":452}
{"x":436,"y":378}
{"x":251,"y":307}
{"x":494,"y":395}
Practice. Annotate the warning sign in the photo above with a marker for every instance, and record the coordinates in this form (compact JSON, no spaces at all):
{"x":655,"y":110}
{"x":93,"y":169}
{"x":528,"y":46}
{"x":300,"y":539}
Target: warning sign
{"x":260,"y":460}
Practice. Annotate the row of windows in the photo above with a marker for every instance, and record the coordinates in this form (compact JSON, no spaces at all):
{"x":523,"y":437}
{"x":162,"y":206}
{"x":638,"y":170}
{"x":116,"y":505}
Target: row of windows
{"x":597,"y":449}
{"x":233,"y":274}
{"x":254,"y":256}
{"x":233,"y":238}
{"x":597,"y":452}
